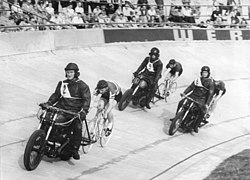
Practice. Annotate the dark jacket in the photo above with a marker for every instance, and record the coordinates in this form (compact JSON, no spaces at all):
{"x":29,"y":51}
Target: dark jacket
{"x":72,"y":95}
{"x":202,"y":90}
{"x":155,"y":75}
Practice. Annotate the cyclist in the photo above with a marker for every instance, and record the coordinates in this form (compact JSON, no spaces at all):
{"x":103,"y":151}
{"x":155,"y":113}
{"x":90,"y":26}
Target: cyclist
{"x":74,"y":95}
{"x":110,"y":94}
{"x":200,"y":90}
{"x":151,"y":69}
{"x":219,"y":91}
{"x":172,"y":72}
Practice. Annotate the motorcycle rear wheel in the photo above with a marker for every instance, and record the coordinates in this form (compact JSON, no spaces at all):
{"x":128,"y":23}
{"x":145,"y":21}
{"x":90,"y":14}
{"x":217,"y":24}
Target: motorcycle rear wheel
{"x":34,"y":150}
{"x":175,"y":123}
{"x":126,"y":98}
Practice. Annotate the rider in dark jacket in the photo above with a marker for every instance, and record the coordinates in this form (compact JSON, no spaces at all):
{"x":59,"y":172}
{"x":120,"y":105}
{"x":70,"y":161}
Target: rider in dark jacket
{"x":151,"y":69}
{"x":200,"y":90}
{"x":74,"y":95}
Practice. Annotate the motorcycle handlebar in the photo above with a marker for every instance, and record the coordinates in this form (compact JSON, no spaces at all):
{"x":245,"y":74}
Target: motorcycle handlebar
{"x":62,"y":110}
{"x":185,"y":96}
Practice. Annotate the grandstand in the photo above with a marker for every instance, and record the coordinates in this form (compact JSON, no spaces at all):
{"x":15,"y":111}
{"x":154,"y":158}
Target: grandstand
{"x":55,"y":15}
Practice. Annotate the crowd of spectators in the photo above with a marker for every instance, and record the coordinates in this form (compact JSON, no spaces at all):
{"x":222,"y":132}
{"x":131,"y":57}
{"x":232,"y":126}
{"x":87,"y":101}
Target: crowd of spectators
{"x":55,"y":15}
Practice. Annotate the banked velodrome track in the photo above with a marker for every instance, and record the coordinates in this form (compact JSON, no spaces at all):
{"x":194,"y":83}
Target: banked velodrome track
{"x":140,"y":147}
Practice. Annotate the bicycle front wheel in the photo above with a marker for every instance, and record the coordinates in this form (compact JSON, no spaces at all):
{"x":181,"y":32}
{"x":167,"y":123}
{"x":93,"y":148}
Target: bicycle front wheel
{"x":173,"y":87}
{"x":105,"y":135}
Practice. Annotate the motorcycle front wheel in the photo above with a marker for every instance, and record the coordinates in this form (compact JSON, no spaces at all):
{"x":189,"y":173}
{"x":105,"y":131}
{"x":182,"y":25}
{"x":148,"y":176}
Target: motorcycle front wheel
{"x":126,"y":98}
{"x":34,"y":150}
{"x":175,"y":123}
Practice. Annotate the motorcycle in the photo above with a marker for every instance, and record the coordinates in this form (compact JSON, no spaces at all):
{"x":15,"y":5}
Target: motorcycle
{"x":186,"y":116}
{"x":137,"y":93}
{"x":51,"y":138}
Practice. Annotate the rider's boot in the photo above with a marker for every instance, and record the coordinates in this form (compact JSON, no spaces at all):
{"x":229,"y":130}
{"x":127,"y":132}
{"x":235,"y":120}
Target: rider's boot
{"x":76,"y":139}
{"x":196,"y":129}
{"x":75,"y":154}
{"x":147,"y":105}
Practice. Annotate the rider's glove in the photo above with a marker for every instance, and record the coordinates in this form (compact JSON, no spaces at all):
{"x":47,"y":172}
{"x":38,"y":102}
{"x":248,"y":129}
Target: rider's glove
{"x":183,"y":95}
{"x":82,"y":115}
{"x":135,"y":74}
{"x":206,"y":107}
{"x":45,"y":105}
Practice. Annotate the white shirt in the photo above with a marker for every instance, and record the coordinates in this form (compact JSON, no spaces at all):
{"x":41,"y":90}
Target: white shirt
{"x":79,"y":9}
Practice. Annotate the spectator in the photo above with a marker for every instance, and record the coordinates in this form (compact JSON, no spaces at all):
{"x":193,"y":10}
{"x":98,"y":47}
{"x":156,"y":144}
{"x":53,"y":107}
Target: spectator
{"x":235,"y":18}
{"x":215,"y":14}
{"x":97,"y":11}
{"x":243,"y":23}
{"x":176,"y":14}
{"x":50,"y":9}
{"x":133,"y":22}
{"x":79,"y":8}
{"x":41,"y":8}
{"x":202,"y":25}
{"x":141,"y":3}
{"x":26,"y":23}
{"x":122,"y":20}
{"x":101,"y":21}
{"x":57,"y":20}
{"x":78,"y":22}
{"x":209,"y":24}
{"x":103,"y":10}
{"x":16,"y":8}
{"x":127,"y":11}
{"x":28,"y":9}
{"x":110,"y":9}
{"x":119,"y":10}
{"x":70,"y":11}
{"x":188,"y":15}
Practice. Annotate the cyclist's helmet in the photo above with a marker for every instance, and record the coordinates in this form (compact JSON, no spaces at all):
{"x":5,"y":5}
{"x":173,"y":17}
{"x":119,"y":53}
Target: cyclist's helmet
{"x":172,"y":61}
{"x":207,"y":69}
{"x":73,"y":66}
{"x":154,"y":51}
{"x":102,"y":84}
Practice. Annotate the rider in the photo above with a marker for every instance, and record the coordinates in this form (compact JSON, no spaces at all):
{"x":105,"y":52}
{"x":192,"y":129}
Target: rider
{"x":219,"y":91}
{"x":200,"y":90}
{"x":151,"y":69}
{"x":74,"y":95}
{"x":110,"y":94}
{"x":172,"y":71}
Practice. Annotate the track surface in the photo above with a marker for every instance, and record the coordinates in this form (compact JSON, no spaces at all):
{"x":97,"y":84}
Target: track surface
{"x":140,"y":147}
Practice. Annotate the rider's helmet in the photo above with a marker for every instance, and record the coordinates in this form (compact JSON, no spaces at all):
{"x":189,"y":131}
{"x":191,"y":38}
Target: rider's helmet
{"x":154,"y":51}
{"x":73,"y":66}
{"x":207,"y":69}
{"x":172,"y":61}
{"x":102,"y":84}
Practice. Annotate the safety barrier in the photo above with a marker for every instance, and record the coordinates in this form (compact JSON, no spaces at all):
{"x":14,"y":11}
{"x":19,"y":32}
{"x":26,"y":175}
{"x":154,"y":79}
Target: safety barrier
{"x":37,"y":41}
{"x":130,"y":35}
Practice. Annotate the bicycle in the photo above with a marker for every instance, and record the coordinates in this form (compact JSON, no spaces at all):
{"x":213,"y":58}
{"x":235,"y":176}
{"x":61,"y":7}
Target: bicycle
{"x":97,"y":131}
{"x":165,"y":89}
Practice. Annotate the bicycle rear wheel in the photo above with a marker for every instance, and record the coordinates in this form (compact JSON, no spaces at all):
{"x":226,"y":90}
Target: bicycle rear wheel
{"x":87,"y":143}
{"x":104,"y":138}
